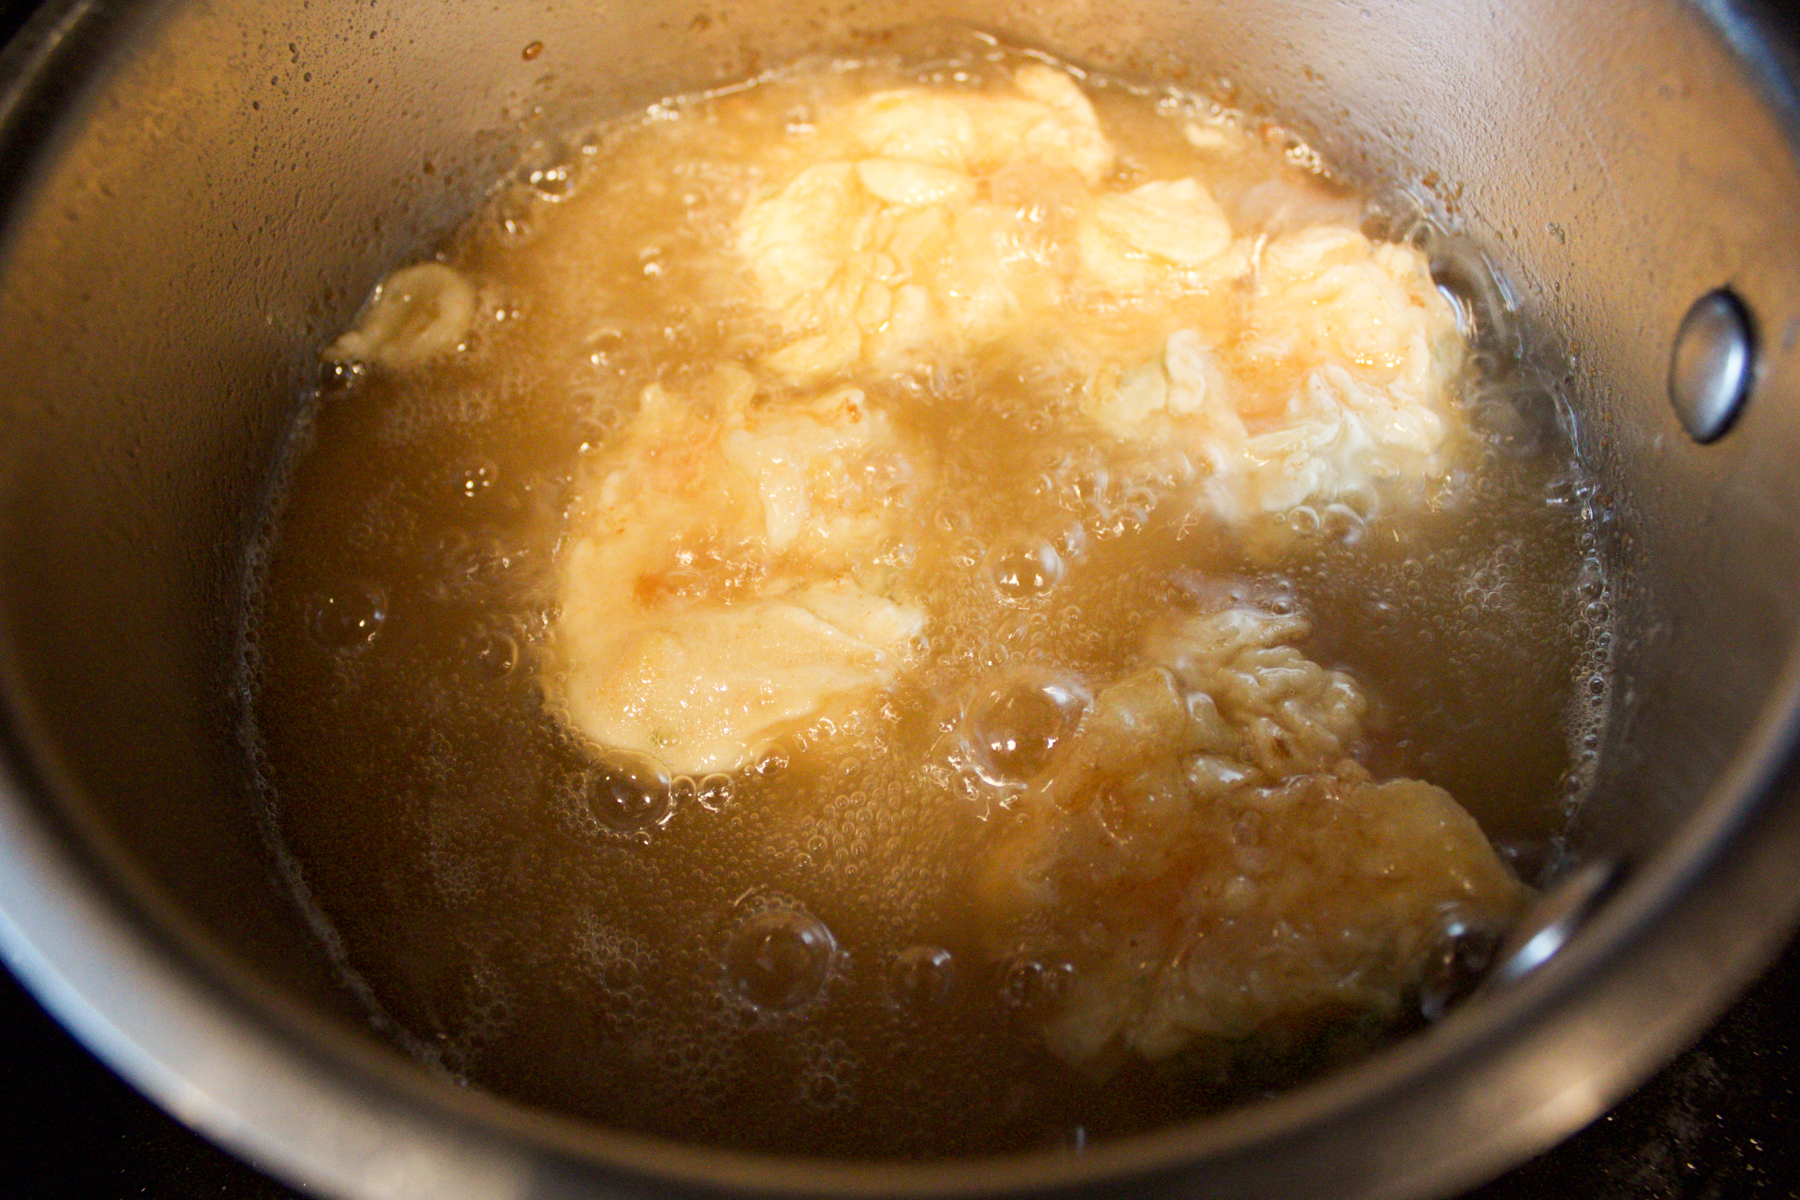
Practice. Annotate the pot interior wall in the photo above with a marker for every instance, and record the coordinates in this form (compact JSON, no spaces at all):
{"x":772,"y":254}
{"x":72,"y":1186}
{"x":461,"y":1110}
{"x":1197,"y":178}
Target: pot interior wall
{"x":220,"y":194}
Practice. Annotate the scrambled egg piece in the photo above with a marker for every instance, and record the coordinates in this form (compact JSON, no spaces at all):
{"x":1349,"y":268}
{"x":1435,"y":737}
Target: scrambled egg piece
{"x":1211,"y":862}
{"x":919,"y":224}
{"x":724,"y":576}
{"x":1338,"y":382}
{"x":416,"y":314}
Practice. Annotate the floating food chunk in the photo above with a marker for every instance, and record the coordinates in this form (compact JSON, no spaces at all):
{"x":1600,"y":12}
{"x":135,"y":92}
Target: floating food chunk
{"x":1289,"y":715}
{"x":1211,"y":862}
{"x":1046,"y":120}
{"x":1134,"y":241}
{"x":922,"y":226}
{"x":919,"y":224}
{"x":416,"y":314}
{"x":723,"y":580}
{"x":1338,"y":384}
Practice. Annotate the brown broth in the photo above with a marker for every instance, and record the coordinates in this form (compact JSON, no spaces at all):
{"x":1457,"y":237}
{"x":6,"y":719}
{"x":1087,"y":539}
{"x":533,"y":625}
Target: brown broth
{"x":420,"y":781}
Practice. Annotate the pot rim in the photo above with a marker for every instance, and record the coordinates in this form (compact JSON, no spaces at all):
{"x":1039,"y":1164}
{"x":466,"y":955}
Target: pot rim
{"x":317,"y":1102}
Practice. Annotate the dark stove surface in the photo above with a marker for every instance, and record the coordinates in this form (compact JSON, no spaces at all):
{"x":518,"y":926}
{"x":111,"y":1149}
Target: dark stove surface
{"x":1721,"y":1123}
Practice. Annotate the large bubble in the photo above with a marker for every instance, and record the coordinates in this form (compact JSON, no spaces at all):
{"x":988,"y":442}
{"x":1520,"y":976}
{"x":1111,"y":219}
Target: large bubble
{"x":347,"y":618}
{"x":779,"y":958}
{"x":1016,"y":726}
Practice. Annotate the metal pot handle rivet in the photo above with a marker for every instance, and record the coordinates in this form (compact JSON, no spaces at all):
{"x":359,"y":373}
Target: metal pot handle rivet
{"x":1712,"y":364}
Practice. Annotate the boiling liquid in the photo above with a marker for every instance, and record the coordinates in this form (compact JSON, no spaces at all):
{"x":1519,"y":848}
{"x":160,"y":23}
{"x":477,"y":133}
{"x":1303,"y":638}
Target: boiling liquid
{"x":782,"y":956}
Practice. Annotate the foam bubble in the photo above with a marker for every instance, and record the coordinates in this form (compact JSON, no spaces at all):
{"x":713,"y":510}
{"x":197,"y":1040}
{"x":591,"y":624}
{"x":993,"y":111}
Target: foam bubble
{"x":1459,"y":956}
{"x":778,"y":959}
{"x":1025,"y":569}
{"x":1031,"y":985}
{"x":715,"y":791}
{"x":628,"y":794}
{"x":922,"y":979}
{"x":348,"y":617}
{"x":497,"y":652}
{"x":1017,"y":723}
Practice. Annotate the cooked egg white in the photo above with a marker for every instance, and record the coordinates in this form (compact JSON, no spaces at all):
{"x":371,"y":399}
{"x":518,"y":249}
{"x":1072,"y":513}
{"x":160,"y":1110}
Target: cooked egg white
{"x":1211,"y":861}
{"x":723,"y":581}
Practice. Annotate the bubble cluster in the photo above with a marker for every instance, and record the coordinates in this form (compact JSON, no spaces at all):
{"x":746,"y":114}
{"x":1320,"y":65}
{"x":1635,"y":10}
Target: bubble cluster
{"x":486,"y":1010}
{"x":922,"y":979}
{"x":1592,"y":675}
{"x":695,"y":1058}
{"x":339,"y":377}
{"x":828,"y":1076}
{"x":614,"y":960}
{"x":1113,"y":499}
{"x":413,"y":419}
{"x":1031,"y":985}
{"x":549,"y":169}
{"x":474,"y":479}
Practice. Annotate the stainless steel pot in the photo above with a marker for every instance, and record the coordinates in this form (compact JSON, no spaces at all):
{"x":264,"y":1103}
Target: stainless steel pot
{"x":197,"y":193}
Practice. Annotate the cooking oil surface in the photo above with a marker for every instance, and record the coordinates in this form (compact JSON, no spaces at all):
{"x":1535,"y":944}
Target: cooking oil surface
{"x":915,"y":612}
